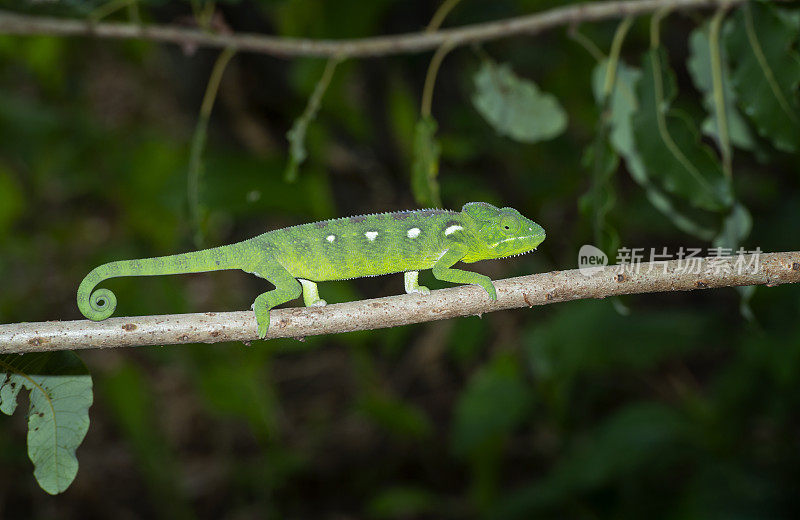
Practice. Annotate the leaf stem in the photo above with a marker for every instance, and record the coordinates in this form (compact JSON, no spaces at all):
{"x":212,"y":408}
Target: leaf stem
{"x":440,"y":14}
{"x":575,"y":34}
{"x":719,"y":91}
{"x":430,"y":77}
{"x":199,"y":141}
{"x":109,"y":8}
{"x":613,"y":54}
{"x":297,"y":133}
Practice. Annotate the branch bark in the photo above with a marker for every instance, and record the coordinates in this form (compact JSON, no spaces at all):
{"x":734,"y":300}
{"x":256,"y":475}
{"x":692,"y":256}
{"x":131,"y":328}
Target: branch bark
{"x":18,"y":24}
{"x":526,"y":291}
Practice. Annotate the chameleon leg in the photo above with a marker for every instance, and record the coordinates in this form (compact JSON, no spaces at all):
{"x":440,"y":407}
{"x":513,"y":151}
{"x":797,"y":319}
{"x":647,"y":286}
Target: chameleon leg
{"x":311,"y":294}
{"x":443,"y":271}
{"x":412,"y":283}
{"x":286,"y":288}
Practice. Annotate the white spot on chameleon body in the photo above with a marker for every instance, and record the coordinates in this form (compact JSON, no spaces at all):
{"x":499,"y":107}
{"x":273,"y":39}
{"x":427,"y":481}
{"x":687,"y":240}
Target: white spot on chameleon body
{"x":371,"y":235}
{"x":452,"y":229}
{"x":413,"y":232}
{"x":330,"y":238}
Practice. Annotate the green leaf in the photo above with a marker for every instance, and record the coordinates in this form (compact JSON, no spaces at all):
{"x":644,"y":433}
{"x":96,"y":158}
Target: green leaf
{"x":622,"y":105}
{"x":425,"y":169}
{"x":669,"y":146}
{"x":760,"y":41}
{"x":494,"y":402}
{"x":621,"y":108}
{"x":699,"y":65}
{"x":516,"y":107}
{"x":58,"y":417}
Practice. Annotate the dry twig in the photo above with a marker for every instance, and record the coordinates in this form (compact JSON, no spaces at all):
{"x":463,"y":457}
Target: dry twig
{"x":526,"y":291}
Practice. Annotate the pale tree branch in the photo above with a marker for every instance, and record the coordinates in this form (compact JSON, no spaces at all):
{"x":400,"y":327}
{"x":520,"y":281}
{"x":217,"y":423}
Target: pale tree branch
{"x":526,"y":291}
{"x":19,"y":24}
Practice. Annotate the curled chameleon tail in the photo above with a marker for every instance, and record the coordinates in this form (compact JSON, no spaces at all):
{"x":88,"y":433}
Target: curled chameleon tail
{"x":96,"y":305}
{"x":99,"y":304}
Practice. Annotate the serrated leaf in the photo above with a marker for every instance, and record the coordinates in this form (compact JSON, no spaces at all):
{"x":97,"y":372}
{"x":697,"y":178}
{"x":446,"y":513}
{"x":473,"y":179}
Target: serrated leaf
{"x":425,"y":168}
{"x":668,"y":145}
{"x":765,"y":66}
{"x":621,"y":107}
{"x":58,"y":417}
{"x":516,"y":107}
{"x":699,"y":65}
{"x":491,"y":406}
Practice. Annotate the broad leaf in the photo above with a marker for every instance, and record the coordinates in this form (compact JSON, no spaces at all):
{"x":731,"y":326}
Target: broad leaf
{"x":425,"y":169}
{"x":516,"y":107}
{"x":699,"y":65}
{"x":766,"y":71}
{"x":669,"y":146}
{"x":621,"y":108}
{"x":58,"y":417}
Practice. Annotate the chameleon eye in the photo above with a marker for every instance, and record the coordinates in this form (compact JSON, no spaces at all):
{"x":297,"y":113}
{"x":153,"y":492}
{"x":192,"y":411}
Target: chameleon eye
{"x":510,"y":224}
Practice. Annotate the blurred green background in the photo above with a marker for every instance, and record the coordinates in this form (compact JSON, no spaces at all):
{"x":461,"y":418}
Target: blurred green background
{"x":680,"y":409}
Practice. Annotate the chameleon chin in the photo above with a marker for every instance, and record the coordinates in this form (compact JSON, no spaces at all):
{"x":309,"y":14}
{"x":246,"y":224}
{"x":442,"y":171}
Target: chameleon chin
{"x":295,"y":258}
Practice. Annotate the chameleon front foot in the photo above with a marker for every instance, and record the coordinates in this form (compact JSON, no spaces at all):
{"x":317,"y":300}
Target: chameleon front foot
{"x":261,"y":309}
{"x":411,"y":279}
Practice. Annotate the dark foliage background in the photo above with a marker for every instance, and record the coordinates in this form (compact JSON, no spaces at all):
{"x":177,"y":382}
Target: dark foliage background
{"x":681,"y":409}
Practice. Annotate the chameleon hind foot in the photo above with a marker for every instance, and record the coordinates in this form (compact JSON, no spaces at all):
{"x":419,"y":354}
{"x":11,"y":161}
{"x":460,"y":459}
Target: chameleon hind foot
{"x":286,"y":288}
{"x":411,"y":279}
{"x":311,"y":294}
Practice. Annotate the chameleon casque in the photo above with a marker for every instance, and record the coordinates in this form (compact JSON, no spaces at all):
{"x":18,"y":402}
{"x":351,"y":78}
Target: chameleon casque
{"x":296,"y":257}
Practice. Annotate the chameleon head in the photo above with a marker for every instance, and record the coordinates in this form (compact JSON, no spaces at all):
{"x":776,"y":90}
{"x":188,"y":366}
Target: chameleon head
{"x":499,"y":232}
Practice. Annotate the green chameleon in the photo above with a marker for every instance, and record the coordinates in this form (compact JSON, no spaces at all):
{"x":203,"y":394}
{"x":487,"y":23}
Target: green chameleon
{"x":294,"y":258}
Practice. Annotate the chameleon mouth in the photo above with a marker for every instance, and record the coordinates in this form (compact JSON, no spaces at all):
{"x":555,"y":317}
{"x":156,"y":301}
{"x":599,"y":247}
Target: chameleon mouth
{"x":510,"y":243}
